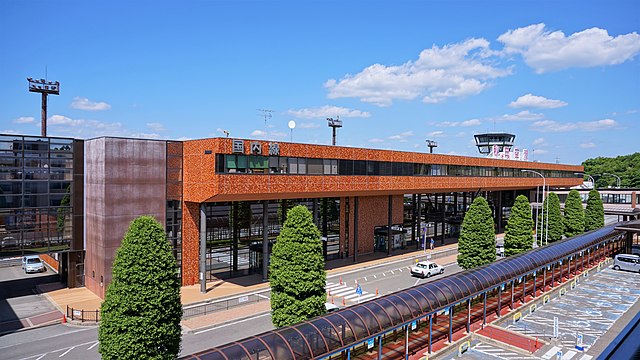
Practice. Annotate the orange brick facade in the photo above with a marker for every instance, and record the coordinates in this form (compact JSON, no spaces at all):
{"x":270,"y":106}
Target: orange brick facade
{"x":202,"y":184}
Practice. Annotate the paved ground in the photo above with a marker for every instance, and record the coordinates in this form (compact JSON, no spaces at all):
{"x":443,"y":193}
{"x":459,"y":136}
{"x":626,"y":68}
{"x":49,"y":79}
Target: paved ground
{"x":21,"y":306}
{"x":596,"y":310}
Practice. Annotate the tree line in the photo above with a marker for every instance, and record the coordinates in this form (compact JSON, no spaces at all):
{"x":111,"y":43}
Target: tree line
{"x":477,"y":242}
{"x":627,"y":167}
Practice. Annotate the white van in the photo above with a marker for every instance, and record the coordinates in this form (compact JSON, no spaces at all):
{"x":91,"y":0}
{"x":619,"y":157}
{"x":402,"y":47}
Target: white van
{"x":627,"y":262}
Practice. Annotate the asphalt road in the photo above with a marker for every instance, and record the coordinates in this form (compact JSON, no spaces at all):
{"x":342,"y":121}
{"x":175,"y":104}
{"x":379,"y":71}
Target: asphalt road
{"x":69,"y":342}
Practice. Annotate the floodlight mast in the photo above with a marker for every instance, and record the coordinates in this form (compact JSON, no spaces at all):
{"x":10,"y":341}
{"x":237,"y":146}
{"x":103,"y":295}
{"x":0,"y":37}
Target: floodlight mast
{"x":45,"y":88}
{"x":334,"y":123}
{"x":431,"y":144}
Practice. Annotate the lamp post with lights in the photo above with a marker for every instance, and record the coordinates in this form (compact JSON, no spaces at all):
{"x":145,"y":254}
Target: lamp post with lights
{"x":45,"y":88}
{"x":545,"y":217}
{"x":617,"y":179}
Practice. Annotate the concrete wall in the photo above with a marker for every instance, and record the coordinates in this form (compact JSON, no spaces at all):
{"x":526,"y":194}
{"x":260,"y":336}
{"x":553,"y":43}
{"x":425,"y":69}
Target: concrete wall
{"x":125,"y":178}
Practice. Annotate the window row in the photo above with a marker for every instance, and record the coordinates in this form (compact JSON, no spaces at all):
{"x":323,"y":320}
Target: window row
{"x":311,"y":166}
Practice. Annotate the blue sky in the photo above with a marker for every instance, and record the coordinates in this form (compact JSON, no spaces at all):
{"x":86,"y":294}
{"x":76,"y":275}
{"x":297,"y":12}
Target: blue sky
{"x":564,"y":76}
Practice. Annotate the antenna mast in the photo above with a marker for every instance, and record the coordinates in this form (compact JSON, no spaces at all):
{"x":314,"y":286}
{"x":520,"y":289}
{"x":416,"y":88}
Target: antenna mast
{"x":266,"y":113}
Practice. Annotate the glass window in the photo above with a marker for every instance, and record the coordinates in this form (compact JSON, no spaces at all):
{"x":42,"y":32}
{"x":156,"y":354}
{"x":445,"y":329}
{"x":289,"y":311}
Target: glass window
{"x":274,"y":166}
{"x":326,"y":164}
{"x":258,"y":162}
{"x":283,"y":165}
{"x":293,"y":165}
{"x":302,"y":166}
{"x":231,"y":162}
{"x":315,"y":166}
{"x":334,"y":167}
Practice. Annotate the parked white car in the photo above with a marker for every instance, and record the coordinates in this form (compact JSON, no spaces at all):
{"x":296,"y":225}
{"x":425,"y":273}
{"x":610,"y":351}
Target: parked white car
{"x":32,"y":263}
{"x":426,"y":269}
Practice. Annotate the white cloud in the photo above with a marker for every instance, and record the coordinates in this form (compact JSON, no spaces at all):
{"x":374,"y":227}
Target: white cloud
{"x":60,"y":125}
{"x":436,"y":134}
{"x":471,"y":122}
{"x":550,"y":51}
{"x":402,"y":137}
{"x":588,"y":145}
{"x":524,"y":115}
{"x":554,"y":126}
{"x":258,"y":133}
{"x":540,"y":151}
{"x":460,"y":69}
{"x":538,"y":141}
{"x":534,"y":101}
{"x":25,"y":120}
{"x":461,"y":134}
{"x":308,"y":125}
{"x":158,"y":127}
{"x":86,"y":104}
{"x":9,"y":131}
{"x":375,"y":140}
{"x":328,"y":111}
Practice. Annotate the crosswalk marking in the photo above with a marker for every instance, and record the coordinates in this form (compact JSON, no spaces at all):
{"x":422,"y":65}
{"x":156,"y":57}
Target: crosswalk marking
{"x":343,"y":291}
{"x":586,"y":357}
{"x":569,"y":355}
{"x":552,"y":352}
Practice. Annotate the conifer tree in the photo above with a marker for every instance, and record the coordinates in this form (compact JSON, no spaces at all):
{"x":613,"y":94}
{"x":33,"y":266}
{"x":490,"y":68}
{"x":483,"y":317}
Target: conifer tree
{"x":297,"y":273}
{"x":477,"y":242}
{"x":555,"y":227}
{"x":141,"y":311}
{"x":573,"y":214}
{"x":519,"y":233}
{"x":594,"y":213}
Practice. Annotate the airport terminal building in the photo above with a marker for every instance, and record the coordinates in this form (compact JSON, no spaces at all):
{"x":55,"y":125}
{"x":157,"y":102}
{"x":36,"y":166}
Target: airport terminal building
{"x":223,"y":200}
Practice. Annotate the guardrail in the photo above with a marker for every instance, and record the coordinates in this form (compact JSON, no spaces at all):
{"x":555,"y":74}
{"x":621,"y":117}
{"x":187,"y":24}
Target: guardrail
{"x":223,"y":304}
{"x":83,"y":315}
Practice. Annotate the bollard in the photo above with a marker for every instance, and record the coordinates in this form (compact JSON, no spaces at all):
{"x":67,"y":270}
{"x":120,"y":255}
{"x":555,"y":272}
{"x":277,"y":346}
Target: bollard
{"x":376,"y":291}
{"x":332,"y":299}
{"x":329,"y":292}
{"x":343,"y":302}
{"x":340,"y":280}
{"x":64,"y":319}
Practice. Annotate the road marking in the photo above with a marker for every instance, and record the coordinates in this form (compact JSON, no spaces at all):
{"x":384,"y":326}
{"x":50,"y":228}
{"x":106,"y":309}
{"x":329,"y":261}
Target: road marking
{"x":392,"y":272}
{"x":417,"y":281}
{"x":375,"y":277}
{"x":233,"y":323}
{"x":586,"y":357}
{"x":569,"y":355}
{"x":365,"y":278}
{"x":92,"y":346}
{"x":552,"y":352}
{"x":66,"y":352}
{"x":41,"y":356}
{"x":263,"y":296}
{"x":343,"y":291}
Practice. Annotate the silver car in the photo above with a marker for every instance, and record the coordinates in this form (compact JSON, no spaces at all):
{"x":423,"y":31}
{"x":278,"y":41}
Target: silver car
{"x":627,"y":262}
{"x":32,"y":263}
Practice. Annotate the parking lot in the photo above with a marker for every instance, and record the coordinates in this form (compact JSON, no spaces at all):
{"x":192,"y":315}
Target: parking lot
{"x":587,"y":312}
{"x":20,"y":305}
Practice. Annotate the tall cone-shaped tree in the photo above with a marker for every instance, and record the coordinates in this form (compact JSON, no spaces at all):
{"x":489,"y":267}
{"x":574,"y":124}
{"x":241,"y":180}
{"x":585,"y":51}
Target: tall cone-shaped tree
{"x":519,"y":234}
{"x":573,"y":214}
{"x":297,"y":272}
{"x":477,"y":243}
{"x":556,"y":225}
{"x":141,"y":311}
{"x":594,"y":213}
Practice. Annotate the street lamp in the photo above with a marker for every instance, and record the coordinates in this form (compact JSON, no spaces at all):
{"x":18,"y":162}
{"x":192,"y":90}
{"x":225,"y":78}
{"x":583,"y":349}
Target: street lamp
{"x":544,"y":217}
{"x":617,"y":179}
{"x":593,"y":182}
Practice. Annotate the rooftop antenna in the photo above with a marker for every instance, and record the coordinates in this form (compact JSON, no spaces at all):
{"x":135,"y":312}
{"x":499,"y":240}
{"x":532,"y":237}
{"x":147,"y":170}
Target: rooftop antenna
{"x":44,"y":87}
{"x":266,"y":113}
{"x":334,"y":123}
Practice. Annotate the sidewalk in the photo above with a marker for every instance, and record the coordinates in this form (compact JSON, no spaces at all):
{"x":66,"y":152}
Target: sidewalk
{"x":82,"y":298}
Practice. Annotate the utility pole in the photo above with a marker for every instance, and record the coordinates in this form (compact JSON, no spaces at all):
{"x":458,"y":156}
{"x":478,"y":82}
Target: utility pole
{"x":334,"y":123}
{"x":45,"y":88}
{"x":266,"y":113}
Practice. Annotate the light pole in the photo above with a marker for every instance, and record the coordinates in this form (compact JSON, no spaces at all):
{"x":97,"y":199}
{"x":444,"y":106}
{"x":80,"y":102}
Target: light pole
{"x":617,"y":179}
{"x":544,"y":216}
{"x":593,"y":182}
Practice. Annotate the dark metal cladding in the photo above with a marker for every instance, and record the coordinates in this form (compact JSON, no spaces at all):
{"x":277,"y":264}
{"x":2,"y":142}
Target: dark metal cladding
{"x":341,"y":329}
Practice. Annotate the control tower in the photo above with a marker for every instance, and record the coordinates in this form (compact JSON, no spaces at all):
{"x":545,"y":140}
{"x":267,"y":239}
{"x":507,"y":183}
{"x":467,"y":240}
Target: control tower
{"x":485,"y":141}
